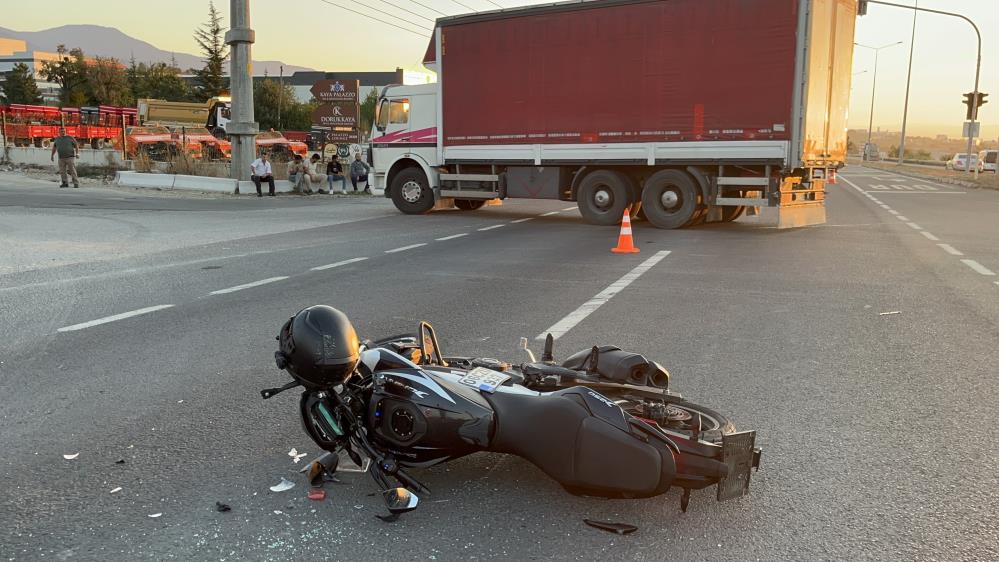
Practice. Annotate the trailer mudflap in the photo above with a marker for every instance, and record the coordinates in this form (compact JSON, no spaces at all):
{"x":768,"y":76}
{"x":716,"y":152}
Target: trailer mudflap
{"x":740,"y":454}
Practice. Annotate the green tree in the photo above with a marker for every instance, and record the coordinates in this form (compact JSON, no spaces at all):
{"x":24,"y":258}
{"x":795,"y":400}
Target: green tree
{"x":107,"y":83}
{"x":267,"y":95}
{"x":367,"y":117}
{"x":70,"y":72}
{"x":159,"y":81}
{"x":20,"y":86}
{"x":209,"y":81}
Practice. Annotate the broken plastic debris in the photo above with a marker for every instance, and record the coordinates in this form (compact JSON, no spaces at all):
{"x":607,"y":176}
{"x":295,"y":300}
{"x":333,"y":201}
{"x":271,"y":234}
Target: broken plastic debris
{"x":222,"y":507}
{"x":116,"y":490}
{"x":619,"y":528}
{"x":295,"y":455}
{"x":278,"y":512}
{"x":317,"y":494}
{"x":283,"y":486}
{"x":120,"y":461}
{"x":71,"y":457}
{"x":180,"y":401}
{"x":889,"y":313}
{"x":358,"y":507}
{"x":154,"y":515}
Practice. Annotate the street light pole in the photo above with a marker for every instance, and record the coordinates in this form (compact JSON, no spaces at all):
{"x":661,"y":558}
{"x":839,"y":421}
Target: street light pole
{"x":242,"y":129}
{"x":874,"y":85}
{"x":908,"y":82}
{"x":978,"y":65}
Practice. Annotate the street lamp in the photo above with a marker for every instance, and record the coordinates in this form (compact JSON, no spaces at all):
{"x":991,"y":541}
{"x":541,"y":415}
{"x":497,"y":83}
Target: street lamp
{"x":908,"y":82}
{"x":874,"y":86}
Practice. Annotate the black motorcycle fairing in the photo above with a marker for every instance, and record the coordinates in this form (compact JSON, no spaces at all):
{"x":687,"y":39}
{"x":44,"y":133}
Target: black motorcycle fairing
{"x":421,"y":418}
{"x":584,"y":451}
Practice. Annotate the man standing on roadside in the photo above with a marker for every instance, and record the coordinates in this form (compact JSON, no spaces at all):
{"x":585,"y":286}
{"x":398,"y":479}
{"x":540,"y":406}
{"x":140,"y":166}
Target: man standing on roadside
{"x":66,"y":146}
{"x":359,"y":172}
{"x":260,"y":170}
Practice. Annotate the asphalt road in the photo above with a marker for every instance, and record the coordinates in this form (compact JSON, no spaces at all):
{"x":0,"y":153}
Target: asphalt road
{"x":863,"y":351}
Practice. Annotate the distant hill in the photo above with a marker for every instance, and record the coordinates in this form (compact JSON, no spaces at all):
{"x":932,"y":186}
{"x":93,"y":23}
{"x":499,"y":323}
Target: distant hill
{"x":96,"y":40}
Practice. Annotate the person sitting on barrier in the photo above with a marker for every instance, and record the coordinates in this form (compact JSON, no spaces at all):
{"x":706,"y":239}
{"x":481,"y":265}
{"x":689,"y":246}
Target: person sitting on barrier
{"x":297,"y":175}
{"x":260,"y":170}
{"x":334,"y":172}
{"x":312,"y":171}
{"x":359,"y":172}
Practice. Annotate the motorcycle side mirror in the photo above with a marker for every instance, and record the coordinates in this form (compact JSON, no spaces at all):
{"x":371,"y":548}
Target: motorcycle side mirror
{"x":400,"y":500}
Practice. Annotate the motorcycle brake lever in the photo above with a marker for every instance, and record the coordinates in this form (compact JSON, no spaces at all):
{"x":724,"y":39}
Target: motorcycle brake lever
{"x":269,"y":392}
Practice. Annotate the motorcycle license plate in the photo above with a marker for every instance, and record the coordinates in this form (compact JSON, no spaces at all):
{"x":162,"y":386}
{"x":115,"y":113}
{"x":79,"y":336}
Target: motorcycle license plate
{"x":486,"y":380}
{"x":738,"y":452}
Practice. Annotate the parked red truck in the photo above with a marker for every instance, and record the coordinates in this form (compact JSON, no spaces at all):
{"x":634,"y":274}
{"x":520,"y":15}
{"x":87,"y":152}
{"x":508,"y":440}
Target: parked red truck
{"x":695,"y":109}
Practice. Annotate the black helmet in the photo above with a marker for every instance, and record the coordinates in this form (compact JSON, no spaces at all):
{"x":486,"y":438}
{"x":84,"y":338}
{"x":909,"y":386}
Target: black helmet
{"x":318,"y":346}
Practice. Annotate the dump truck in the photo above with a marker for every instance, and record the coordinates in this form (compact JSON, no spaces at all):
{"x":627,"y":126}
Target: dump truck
{"x":683,"y":111}
{"x":213,"y":114}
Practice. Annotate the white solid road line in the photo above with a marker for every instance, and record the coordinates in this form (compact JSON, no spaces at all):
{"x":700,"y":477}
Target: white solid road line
{"x":404,"y":248}
{"x":492,"y":227}
{"x":978,"y":267}
{"x":107,"y":319}
{"x":337,"y":264}
{"x":951,"y":250}
{"x":548,"y":214}
{"x":248,"y":285}
{"x":930,"y":236}
{"x":914,"y":226}
{"x":577,"y":316}
{"x":522,"y":220}
{"x":452,"y":237}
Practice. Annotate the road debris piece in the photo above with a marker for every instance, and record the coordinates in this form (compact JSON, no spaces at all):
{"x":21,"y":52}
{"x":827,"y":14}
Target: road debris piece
{"x":619,"y":528}
{"x":222,"y":507}
{"x":283,"y":486}
{"x":71,"y":457}
{"x":154,"y":515}
{"x":295,"y":455}
{"x":889,"y":313}
{"x":390,"y":518}
{"x":120,"y":461}
{"x":116,"y":490}
{"x":317,"y":494}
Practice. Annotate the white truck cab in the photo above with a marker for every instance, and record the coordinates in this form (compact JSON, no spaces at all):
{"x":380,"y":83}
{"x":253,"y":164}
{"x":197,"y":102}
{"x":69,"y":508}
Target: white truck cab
{"x":406,"y":137}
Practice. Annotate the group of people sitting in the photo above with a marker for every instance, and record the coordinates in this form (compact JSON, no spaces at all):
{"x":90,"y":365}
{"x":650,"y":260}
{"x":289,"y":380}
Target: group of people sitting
{"x":304,"y":174}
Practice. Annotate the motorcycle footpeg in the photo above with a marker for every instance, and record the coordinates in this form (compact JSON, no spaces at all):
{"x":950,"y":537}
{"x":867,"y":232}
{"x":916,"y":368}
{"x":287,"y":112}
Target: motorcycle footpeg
{"x":739,"y":455}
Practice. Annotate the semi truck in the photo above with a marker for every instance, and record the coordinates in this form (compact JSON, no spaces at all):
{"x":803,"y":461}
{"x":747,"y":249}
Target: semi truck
{"x":683,"y":111}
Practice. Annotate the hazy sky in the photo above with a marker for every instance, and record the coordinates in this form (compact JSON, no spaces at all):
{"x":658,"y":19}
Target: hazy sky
{"x":316,"y":34}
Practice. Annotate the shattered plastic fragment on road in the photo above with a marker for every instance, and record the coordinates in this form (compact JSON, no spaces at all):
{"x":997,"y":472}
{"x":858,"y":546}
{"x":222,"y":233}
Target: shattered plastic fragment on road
{"x":222,"y":507}
{"x":283,"y":486}
{"x":619,"y":528}
{"x":317,"y":494}
{"x":71,"y":457}
{"x":295,"y":455}
{"x":116,"y":490}
{"x":889,"y":313}
{"x":154,"y":515}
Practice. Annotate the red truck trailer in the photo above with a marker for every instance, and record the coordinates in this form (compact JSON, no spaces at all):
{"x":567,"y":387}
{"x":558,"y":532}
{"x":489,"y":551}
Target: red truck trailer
{"x":684,"y":110}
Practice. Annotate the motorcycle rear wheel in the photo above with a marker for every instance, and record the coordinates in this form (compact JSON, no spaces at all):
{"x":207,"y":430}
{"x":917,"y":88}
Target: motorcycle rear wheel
{"x":681,"y":414}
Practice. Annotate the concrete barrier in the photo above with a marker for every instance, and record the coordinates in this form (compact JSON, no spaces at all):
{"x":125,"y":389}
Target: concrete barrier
{"x":42,"y":157}
{"x":280,"y":186}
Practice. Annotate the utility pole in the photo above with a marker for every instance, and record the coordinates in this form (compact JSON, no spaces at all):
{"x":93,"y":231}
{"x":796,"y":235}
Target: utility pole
{"x":874,"y":85}
{"x":280,"y":93}
{"x":242,"y":129}
{"x":908,"y":82}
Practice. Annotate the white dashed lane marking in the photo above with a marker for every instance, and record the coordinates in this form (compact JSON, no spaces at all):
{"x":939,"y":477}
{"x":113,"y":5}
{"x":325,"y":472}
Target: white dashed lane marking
{"x":492,"y":227}
{"x":522,"y":220}
{"x":951,"y":250}
{"x":337,"y":264}
{"x":979,"y":268}
{"x":452,"y":237}
{"x":930,"y":236}
{"x":914,"y":226}
{"x":577,"y":316}
{"x":548,"y":214}
{"x":404,"y":248}
{"x":248,"y":285}
{"x":121,"y":316}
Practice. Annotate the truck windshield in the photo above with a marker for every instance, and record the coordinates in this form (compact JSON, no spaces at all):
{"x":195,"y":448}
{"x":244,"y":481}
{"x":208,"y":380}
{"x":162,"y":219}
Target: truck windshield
{"x":381,"y":115}
{"x":399,"y":112}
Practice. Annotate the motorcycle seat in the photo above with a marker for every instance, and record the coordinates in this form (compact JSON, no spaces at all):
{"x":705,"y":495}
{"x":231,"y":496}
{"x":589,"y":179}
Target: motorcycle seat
{"x":592,"y":453}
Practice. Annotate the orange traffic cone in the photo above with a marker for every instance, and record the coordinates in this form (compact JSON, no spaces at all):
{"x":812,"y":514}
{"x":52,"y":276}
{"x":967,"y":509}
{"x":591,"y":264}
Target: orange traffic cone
{"x":625,"y":244}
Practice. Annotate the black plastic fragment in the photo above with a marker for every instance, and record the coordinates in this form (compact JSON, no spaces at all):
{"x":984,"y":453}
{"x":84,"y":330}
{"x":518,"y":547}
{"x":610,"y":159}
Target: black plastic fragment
{"x":390,"y":518}
{"x":610,"y":527}
{"x":222,"y":507}
{"x":120,"y":461}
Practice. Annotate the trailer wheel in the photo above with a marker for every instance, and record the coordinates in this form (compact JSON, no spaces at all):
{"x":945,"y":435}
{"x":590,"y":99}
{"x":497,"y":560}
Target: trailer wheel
{"x":411,"y":192}
{"x":469,"y":204}
{"x":669,"y":199}
{"x":603,"y":196}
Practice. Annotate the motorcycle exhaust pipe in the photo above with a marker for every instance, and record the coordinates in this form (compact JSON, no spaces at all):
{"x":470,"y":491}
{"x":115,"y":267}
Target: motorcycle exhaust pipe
{"x":658,"y":376}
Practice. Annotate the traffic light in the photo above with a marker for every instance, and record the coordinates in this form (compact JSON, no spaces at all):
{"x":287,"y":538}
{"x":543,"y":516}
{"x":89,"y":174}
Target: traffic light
{"x":974,"y":103}
{"x":862,"y":8}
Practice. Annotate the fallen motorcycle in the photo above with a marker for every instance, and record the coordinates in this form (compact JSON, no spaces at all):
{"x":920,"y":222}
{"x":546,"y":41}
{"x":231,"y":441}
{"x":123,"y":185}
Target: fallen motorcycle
{"x":604,"y":422}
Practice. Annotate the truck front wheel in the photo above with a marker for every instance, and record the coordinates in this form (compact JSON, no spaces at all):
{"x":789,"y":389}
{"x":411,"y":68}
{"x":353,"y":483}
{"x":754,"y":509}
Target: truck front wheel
{"x":669,"y":198}
{"x":603,"y":196}
{"x":411,"y":192}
